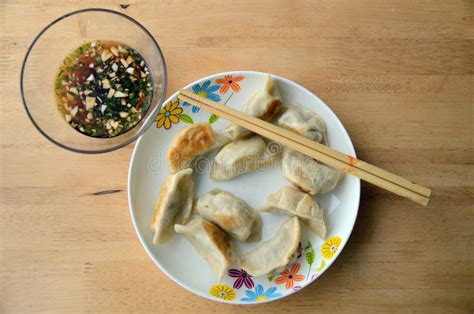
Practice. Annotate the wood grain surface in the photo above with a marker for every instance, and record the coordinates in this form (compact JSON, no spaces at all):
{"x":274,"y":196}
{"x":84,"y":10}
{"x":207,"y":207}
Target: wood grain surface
{"x":399,"y":74}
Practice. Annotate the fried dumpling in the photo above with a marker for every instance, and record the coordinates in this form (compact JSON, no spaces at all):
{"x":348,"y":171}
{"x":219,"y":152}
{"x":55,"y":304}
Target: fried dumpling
{"x":242,"y":156}
{"x":191,"y":142}
{"x":173,"y":205}
{"x":274,"y":253}
{"x":230,"y":213}
{"x":265,"y":105}
{"x":307,"y":174}
{"x":211,"y":243}
{"x":296,"y":203}
{"x":304,"y":123}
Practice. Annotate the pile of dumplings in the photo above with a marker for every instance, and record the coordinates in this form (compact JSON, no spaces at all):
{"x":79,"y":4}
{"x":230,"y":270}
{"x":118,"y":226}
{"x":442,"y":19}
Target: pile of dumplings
{"x":221,"y":216}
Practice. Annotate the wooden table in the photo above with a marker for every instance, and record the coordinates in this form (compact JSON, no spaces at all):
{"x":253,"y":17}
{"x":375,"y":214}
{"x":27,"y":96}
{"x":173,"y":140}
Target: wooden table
{"x":399,"y":74}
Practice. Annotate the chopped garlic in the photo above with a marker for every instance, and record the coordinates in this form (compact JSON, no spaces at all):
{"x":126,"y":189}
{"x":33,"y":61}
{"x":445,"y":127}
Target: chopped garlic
{"x":87,"y":92}
{"x":90,"y":77}
{"x":124,"y":63}
{"x":67,"y":117}
{"x":129,"y":60}
{"x":90,"y":102}
{"x":105,"y":55}
{"x":130,"y":70}
{"x":119,"y":94}
{"x":123,"y":114}
{"x":115,"y":67}
{"x":111,"y":93}
{"x":74,"y":90}
{"x":114,"y":51}
{"x":121,"y":49}
{"x":100,"y":70}
{"x":89,"y":115}
{"x":112,"y":75}
{"x":102,"y":108}
{"x":74,"y":111}
{"x":106,"y":83}
{"x":91,"y":65}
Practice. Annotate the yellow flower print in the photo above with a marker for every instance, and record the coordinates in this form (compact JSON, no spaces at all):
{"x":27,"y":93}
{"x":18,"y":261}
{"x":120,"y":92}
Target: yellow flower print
{"x":222,"y":292}
{"x":330,"y":247}
{"x":169,"y":115}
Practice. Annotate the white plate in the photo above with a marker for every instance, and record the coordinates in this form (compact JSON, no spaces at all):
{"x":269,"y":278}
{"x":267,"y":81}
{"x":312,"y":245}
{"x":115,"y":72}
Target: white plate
{"x":178,"y":260}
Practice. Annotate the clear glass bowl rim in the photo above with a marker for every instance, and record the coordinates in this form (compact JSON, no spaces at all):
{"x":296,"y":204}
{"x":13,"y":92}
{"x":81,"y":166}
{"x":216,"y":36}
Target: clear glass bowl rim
{"x":150,"y":119}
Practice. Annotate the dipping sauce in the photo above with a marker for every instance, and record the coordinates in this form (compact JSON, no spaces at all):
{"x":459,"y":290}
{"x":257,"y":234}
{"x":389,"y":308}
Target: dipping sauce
{"x":103,"y":88}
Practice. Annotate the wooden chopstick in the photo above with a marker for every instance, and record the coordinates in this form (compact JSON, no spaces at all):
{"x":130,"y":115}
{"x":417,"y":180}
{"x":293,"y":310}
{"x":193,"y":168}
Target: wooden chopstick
{"x":315,"y":150}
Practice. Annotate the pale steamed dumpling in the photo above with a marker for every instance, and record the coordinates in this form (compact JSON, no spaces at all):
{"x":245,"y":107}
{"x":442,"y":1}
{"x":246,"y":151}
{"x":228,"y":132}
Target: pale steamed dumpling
{"x":307,"y":174}
{"x":274,"y":253}
{"x":242,"y":156}
{"x":303,"y":122}
{"x":193,"y":141}
{"x":211,"y":243}
{"x":173,"y":205}
{"x":265,"y":105}
{"x":290,"y":201}
{"x":230,"y":213}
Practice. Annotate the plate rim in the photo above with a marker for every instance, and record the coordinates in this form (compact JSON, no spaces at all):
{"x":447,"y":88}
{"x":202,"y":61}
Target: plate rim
{"x":191,"y":289}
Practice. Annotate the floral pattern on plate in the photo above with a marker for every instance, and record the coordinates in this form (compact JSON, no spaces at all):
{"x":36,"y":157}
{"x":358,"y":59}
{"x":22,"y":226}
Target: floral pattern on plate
{"x":260,"y":294}
{"x":276,"y":285}
{"x":172,"y":112}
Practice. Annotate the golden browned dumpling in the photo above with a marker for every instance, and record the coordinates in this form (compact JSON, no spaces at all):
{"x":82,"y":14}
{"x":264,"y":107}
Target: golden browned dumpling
{"x":173,"y":205}
{"x":211,"y":243}
{"x":191,"y":142}
{"x":230,"y":213}
{"x":265,"y":105}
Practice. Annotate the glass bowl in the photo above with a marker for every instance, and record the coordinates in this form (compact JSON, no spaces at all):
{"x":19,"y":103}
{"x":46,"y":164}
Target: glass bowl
{"x":59,"y":39}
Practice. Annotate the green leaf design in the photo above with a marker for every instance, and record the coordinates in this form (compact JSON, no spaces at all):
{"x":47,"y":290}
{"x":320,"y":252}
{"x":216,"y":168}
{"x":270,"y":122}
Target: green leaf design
{"x":271,"y":277}
{"x":213,"y":118}
{"x":186,"y":118}
{"x":309,"y":255}
{"x":323,"y":264}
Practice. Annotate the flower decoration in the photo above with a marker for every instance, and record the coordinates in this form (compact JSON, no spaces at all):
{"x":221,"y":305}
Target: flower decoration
{"x":242,"y":278}
{"x":229,"y":82}
{"x":260,"y":294}
{"x":205,"y":90}
{"x":330,"y":247}
{"x":296,"y":288}
{"x":222,"y":292}
{"x":169,"y":115}
{"x":289,"y":276}
{"x":310,"y":255}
